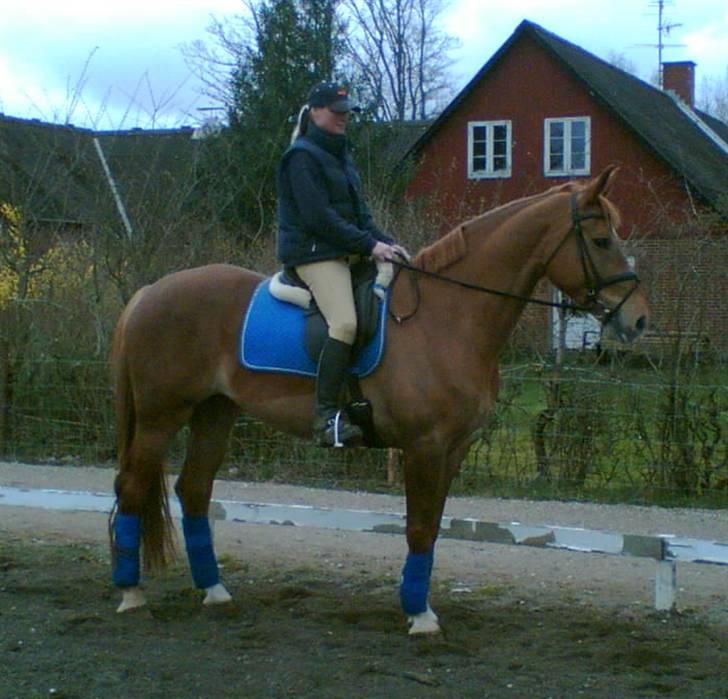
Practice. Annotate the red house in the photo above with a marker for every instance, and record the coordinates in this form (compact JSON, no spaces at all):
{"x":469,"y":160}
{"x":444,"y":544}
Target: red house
{"x":543,"y":110}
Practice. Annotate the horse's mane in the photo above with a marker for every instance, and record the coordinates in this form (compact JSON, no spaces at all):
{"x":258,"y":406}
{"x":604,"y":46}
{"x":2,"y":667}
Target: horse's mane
{"x":443,"y":252}
{"x":453,"y":245}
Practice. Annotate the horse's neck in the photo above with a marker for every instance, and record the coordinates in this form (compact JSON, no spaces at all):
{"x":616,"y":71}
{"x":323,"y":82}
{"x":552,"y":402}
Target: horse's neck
{"x":505,"y":257}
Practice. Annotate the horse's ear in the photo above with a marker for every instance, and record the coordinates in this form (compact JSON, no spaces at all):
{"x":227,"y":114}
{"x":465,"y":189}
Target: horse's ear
{"x":600,"y":184}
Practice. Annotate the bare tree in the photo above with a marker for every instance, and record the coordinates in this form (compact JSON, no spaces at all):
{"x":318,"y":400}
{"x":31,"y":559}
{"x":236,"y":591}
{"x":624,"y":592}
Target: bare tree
{"x":214,"y":63}
{"x":621,"y":61}
{"x":259,"y":71}
{"x":400,"y":56}
{"x":259,"y":37}
{"x":714,"y":97}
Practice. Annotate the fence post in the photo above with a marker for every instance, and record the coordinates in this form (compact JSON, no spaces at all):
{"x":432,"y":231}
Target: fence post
{"x":665,"y":585}
{"x":392,"y":464}
{"x":6,"y":397}
{"x":215,"y":512}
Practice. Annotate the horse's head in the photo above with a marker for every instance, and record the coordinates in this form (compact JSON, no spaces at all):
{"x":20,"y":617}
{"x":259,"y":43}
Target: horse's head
{"x":587,"y":263}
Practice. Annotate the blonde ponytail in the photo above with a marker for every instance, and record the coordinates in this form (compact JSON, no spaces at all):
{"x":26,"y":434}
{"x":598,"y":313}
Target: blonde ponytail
{"x":301,"y":123}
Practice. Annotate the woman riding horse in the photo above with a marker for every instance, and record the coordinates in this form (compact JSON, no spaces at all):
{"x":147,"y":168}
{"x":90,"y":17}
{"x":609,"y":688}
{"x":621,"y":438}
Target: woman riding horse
{"x":176,"y":364}
{"x":324,"y":226}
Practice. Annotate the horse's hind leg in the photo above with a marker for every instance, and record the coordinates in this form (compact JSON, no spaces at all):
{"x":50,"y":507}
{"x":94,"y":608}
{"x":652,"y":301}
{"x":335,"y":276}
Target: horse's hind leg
{"x":142,"y":512}
{"x":210,"y":426}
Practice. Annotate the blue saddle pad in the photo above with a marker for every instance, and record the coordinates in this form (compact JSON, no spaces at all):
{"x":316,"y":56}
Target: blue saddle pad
{"x":272,"y":338}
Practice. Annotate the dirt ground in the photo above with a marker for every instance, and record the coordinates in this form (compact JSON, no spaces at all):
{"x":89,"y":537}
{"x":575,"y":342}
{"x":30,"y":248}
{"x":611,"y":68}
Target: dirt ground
{"x":316,"y":612}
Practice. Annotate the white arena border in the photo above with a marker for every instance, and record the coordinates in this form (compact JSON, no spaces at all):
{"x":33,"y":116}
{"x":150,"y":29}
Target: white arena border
{"x":665,"y":549}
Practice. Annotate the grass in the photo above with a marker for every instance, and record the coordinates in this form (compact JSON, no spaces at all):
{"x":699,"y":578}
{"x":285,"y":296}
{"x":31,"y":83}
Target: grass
{"x":611,"y":431}
{"x":608,"y":432}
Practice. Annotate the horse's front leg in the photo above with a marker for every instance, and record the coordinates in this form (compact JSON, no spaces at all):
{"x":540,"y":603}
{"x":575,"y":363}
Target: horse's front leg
{"x":427,"y":482}
{"x":209,"y":428}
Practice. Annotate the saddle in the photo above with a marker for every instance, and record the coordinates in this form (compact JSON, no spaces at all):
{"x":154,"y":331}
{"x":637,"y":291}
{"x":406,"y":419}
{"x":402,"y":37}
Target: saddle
{"x":283,"y":331}
{"x":370,"y":280}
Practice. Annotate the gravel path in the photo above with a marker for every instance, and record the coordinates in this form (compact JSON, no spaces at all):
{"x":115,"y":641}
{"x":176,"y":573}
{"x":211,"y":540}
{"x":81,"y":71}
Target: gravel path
{"x":599,"y":579}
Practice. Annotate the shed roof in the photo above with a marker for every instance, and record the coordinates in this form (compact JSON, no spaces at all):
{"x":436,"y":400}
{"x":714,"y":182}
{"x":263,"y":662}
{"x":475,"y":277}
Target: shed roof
{"x":50,"y":170}
{"x":55,"y":173}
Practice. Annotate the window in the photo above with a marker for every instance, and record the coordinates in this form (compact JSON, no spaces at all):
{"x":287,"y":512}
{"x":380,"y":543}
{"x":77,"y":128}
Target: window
{"x":567,"y":146}
{"x":489,"y":149}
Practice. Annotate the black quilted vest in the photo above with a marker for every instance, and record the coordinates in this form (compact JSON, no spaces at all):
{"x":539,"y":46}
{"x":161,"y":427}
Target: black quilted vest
{"x":296,"y":245}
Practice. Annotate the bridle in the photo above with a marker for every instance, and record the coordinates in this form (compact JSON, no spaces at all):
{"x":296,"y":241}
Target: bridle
{"x":594,"y":281}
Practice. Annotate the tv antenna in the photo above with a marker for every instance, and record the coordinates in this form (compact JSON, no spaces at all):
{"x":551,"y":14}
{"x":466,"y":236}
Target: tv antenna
{"x":664,"y":28}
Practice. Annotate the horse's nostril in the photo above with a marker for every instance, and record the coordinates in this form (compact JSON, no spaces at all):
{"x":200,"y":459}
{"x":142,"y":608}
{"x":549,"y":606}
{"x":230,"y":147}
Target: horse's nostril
{"x":641,"y":323}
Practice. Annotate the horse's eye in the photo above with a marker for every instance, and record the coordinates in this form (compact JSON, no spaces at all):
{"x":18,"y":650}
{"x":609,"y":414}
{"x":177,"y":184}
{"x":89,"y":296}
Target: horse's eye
{"x":602,"y":243}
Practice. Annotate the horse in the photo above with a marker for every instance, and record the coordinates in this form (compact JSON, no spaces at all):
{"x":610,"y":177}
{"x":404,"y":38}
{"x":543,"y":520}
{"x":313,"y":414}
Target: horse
{"x":451,"y":312}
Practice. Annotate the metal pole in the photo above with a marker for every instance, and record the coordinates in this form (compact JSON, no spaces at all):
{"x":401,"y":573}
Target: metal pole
{"x":114,"y":190}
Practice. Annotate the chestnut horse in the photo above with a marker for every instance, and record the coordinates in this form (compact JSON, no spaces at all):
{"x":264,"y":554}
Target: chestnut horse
{"x":175,"y":359}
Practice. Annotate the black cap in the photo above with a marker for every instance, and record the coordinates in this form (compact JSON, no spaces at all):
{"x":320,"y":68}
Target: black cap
{"x":331,"y":95}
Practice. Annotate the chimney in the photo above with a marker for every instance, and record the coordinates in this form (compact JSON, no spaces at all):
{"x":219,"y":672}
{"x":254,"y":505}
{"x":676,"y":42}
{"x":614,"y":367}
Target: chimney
{"x":679,"y":77}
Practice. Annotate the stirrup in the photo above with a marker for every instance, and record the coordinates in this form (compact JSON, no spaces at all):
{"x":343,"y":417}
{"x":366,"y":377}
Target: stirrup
{"x":337,"y":431}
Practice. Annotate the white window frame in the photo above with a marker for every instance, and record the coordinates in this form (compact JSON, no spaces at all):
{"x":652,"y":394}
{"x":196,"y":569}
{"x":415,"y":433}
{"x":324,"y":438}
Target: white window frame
{"x":489,"y":172}
{"x":568,"y":168}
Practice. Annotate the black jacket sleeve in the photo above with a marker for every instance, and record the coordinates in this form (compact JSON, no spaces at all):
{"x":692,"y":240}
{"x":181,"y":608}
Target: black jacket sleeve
{"x":369,"y":225}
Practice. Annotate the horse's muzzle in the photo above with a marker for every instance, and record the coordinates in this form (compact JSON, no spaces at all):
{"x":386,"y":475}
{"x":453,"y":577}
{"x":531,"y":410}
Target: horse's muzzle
{"x":627,"y":322}
{"x":627,"y":331}
{"x":628,"y":318}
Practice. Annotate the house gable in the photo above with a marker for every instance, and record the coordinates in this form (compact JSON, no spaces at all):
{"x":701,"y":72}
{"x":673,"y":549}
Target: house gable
{"x":661,"y":145}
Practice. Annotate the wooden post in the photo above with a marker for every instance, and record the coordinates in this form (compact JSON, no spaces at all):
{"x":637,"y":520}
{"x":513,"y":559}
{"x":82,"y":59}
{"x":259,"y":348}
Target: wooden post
{"x":215,"y":512}
{"x":6,"y":397}
{"x":665,"y":585}
{"x":392,"y":464}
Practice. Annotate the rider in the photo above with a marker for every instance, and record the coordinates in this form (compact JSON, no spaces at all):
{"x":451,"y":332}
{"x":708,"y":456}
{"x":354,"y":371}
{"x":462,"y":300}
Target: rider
{"x":324,"y":226}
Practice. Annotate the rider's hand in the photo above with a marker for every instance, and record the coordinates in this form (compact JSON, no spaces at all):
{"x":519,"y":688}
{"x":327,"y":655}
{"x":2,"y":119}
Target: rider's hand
{"x":385,"y":252}
{"x":401,"y":252}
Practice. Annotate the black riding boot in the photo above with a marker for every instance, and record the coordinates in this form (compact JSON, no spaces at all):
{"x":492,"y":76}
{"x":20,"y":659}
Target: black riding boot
{"x":331,"y":427}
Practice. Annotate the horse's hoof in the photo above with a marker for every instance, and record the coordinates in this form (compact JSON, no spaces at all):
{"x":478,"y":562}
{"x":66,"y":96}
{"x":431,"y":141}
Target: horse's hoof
{"x":425,"y":623}
{"x":131,"y":598}
{"x":217,"y":594}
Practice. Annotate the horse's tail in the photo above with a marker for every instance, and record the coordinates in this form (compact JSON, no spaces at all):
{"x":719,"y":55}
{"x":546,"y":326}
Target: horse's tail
{"x":157,"y":532}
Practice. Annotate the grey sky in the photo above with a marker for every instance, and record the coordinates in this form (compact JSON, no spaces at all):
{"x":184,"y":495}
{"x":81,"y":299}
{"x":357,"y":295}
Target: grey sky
{"x":120,"y":65}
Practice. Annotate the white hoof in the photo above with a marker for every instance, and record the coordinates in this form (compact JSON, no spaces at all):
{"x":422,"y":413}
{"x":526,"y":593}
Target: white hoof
{"x":217,"y":594}
{"x":131,"y":598}
{"x":425,"y":623}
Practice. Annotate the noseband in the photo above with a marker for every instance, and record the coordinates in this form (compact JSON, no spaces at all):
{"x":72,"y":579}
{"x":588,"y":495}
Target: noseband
{"x":594,"y":281}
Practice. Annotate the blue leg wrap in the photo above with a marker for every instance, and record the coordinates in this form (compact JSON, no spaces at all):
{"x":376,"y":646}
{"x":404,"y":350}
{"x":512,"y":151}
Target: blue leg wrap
{"x":414,"y":589}
{"x":125,"y":565}
{"x":200,"y":553}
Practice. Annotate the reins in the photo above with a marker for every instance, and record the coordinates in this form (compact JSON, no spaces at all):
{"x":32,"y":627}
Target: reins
{"x":475,"y":287}
{"x":595,"y":283}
